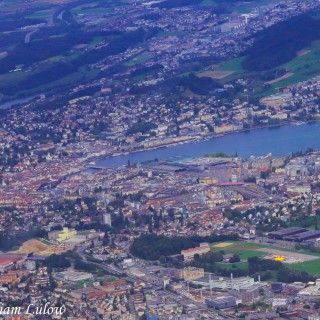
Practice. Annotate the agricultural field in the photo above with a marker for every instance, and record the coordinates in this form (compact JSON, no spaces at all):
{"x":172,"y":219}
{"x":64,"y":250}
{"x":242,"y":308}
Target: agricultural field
{"x":305,"y":66}
{"x":232,"y":65}
{"x":137,"y":60}
{"x":232,"y":69}
{"x":250,"y":6}
{"x":216,"y":74}
{"x":41,"y":14}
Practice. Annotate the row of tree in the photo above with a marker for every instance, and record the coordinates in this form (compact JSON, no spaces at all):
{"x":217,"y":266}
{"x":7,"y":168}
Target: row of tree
{"x":152,"y":246}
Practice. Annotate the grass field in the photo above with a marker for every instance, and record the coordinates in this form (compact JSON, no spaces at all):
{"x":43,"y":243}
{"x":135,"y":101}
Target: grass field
{"x":12,"y":77}
{"x":232,"y":65}
{"x":216,"y":74}
{"x":312,"y":267}
{"x":303,"y":67}
{"x":92,"y":11}
{"x":233,"y":69}
{"x":137,"y":60}
{"x":247,"y":250}
{"x":96,"y":40}
{"x":84,"y":283}
{"x":42,"y":14}
{"x":222,"y":245}
{"x":249,"y":6}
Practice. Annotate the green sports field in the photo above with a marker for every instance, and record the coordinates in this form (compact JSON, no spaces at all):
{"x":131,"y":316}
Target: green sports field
{"x":247,"y":250}
{"x":312,"y":267}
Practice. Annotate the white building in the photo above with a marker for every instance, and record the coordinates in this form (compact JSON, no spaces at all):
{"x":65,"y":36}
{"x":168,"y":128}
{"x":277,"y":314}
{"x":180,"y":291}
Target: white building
{"x":106,"y":219}
{"x":225,"y":283}
{"x":73,"y":276}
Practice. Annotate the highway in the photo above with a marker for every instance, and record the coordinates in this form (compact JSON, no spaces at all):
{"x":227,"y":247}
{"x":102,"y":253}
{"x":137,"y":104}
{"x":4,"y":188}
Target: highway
{"x":50,"y":23}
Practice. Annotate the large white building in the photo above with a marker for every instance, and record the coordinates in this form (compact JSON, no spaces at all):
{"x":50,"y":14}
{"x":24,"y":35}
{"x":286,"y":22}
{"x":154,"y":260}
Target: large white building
{"x":73,"y":276}
{"x":313,"y":290}
{"x":223,"y":283}
{"x":106,"y":219}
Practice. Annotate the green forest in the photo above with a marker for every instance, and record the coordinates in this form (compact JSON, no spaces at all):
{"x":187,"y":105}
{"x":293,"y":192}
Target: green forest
{"x":152,"y":246}
{"x":280,"y":43}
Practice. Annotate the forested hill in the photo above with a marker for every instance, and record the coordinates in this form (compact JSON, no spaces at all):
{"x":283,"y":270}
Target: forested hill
{"x":280,"y":43}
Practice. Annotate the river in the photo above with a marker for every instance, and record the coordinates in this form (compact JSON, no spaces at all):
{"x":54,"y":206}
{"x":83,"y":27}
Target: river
{"x":277,"y":140}
{"x":11,"y":103}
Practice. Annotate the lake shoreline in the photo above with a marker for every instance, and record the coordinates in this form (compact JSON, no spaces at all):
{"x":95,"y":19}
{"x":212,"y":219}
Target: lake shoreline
{"x":210,"y":136}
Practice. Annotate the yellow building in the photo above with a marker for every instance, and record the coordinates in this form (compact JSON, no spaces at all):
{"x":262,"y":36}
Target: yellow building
{"x":66,"y":234}
{"x":191,"y":273}
{"x":279,"y":258}
{"x":208,"y":180}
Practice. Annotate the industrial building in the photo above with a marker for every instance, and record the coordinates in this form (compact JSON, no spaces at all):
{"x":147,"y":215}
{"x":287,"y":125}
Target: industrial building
{"x":276,"y":287}
{"x":300,"y":237}
{"x":296,"y":234}
{"x":72,"y":275}
{"x":249,"y":294}
{"x":280,"y":234}
{"x":191,"y":273}
{"x":223,"y":283}
{"x":221,"y":302}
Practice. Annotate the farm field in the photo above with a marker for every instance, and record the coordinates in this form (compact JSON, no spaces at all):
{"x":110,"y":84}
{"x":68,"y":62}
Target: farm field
{"x":137,"y":60}
{"x":216,"y":74}
{"x":41,"y":14}
{"x":232,"y":65}
{"x":305,"y":66}
{"x":287,"y":75}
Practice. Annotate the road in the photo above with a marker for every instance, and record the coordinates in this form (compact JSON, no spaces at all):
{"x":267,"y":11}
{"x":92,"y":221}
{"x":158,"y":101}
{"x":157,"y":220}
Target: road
{"x":60,"y":17}
{"x":29,"y":34}
{"x":114,"y":270}
{"x":50,"y":23}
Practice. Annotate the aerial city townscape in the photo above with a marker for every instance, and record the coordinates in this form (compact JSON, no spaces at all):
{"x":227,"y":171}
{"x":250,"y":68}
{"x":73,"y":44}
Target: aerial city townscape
{"x":159,"y":159}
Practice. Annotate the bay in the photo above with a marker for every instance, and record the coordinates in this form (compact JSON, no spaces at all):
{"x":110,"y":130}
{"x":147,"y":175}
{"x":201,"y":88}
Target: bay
{"x":277,"y":140}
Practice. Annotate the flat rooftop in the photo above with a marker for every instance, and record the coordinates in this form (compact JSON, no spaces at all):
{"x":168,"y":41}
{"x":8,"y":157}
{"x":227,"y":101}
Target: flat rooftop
{"x":287,"y":231}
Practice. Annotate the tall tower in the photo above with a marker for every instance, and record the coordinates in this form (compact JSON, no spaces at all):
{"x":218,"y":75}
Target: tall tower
{"x":106,"y":219}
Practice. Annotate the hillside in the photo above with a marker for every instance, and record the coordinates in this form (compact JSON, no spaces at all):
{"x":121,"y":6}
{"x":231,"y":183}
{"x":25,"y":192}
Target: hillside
{"x":281,"y":43}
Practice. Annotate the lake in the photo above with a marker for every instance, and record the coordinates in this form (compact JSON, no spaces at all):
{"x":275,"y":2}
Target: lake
{"x":277,"y":140}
